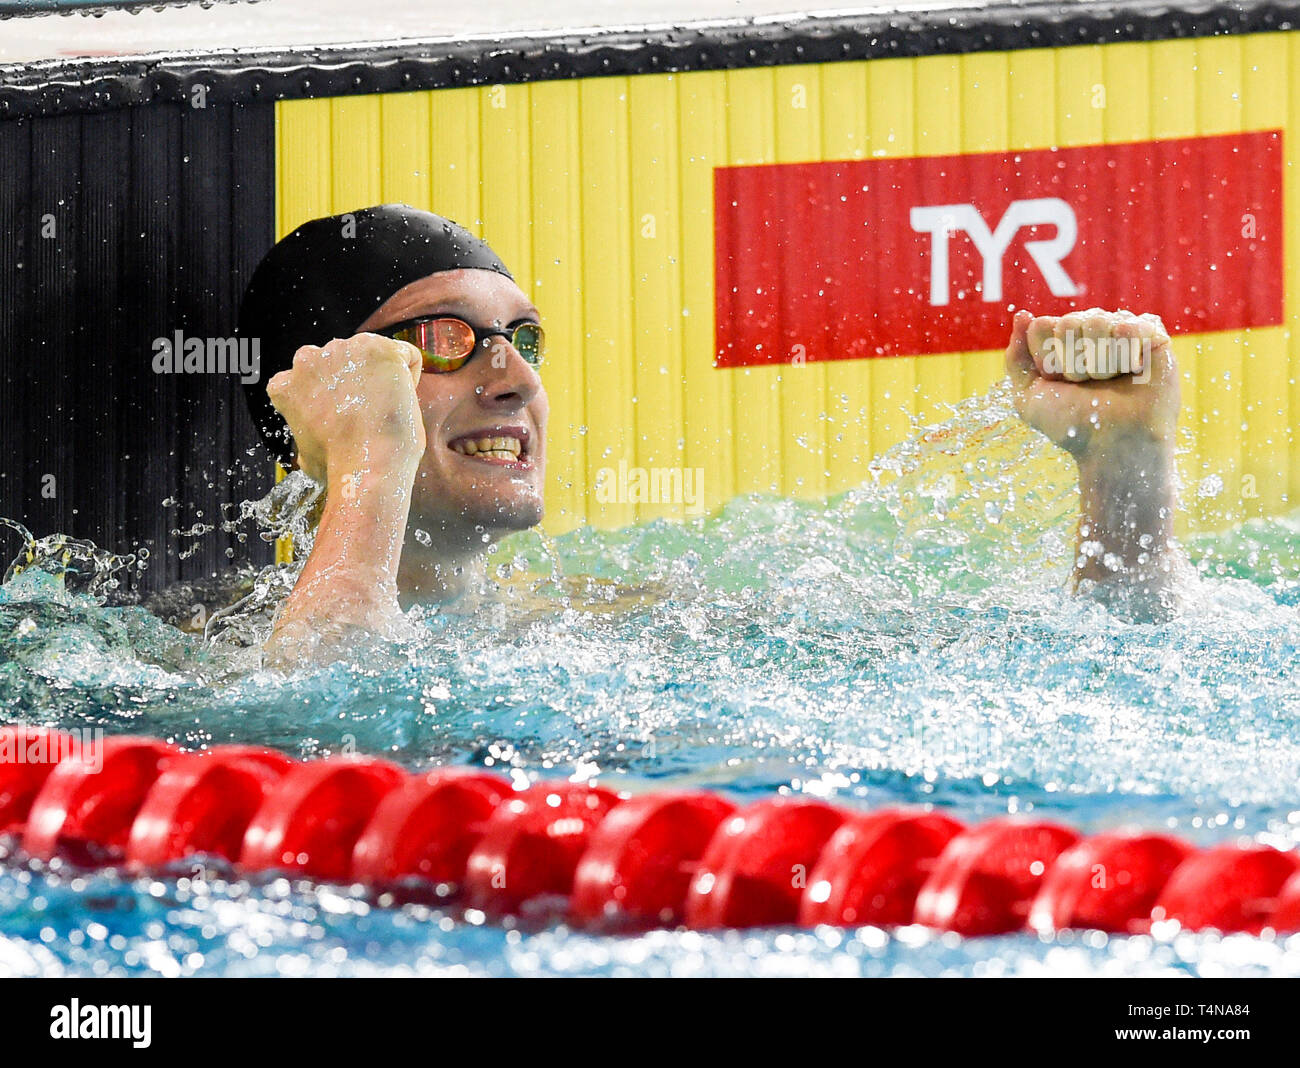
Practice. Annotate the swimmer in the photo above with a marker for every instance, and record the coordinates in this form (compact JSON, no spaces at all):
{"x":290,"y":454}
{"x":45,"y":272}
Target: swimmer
{"x":405,"y":364}
{"x":404,"y":374}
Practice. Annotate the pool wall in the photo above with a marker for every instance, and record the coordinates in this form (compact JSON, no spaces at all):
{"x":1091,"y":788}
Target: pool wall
{"x":681,"y":204}
{"x":121,"y":226}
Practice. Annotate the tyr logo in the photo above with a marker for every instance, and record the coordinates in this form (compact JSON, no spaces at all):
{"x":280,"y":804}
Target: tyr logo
{"x":942,"y":220}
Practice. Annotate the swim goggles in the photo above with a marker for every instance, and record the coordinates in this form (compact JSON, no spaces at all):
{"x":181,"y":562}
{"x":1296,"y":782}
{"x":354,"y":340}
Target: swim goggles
{"x":447,"y":343}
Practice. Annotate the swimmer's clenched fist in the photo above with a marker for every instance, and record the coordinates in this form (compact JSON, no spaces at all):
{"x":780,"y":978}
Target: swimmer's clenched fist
{"x":352,"y":405}
{"x":1104,"y":387}
{"x":1093,"y":380}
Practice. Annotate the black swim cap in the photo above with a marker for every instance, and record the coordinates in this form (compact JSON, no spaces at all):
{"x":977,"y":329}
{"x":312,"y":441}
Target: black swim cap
{"x":327,"y":277}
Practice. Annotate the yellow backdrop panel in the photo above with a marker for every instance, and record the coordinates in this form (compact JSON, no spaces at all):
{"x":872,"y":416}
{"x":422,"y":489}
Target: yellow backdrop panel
{"x":599,"y":194}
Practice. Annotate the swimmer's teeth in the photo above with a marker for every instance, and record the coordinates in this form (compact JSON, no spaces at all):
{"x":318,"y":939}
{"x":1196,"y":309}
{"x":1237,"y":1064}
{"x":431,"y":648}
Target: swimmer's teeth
{"x":496,"y":448}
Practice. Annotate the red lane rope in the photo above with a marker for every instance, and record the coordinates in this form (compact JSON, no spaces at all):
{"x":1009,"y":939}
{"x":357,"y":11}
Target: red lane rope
{"x":609,"y":862}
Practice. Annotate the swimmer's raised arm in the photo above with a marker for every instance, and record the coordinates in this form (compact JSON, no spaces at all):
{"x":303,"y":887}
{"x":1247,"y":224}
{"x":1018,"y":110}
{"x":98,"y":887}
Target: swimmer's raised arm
{"x":351,"y":407}
{"x":1104,"y":387}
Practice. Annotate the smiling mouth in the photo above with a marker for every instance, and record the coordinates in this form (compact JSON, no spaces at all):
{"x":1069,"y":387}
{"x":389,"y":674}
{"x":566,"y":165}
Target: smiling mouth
{"x":498,"y":446}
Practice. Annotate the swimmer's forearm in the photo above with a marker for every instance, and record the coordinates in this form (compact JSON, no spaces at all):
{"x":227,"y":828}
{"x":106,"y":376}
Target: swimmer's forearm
{"x":350,"y":578}
{"x":1127,"y":505}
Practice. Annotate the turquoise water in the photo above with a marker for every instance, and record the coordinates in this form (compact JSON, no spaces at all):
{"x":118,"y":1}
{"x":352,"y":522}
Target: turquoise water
{"x":908,"y":642}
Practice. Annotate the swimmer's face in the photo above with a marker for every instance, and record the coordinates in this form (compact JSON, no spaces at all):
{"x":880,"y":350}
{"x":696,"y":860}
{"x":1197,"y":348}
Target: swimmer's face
{"x":495,"y":394}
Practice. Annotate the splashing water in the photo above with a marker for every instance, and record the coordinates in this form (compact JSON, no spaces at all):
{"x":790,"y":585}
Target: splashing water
{"x":75,"y":565}
{"x":290,"y":510}
{"x":910,"y":641}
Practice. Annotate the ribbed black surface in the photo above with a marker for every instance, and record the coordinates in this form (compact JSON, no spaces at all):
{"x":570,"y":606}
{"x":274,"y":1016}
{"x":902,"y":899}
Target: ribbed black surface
{"x":161,"y":213}
{"x":48,"y":88}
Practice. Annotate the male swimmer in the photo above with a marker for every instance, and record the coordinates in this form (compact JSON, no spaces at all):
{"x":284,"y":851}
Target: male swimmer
{"x":404,"y":367}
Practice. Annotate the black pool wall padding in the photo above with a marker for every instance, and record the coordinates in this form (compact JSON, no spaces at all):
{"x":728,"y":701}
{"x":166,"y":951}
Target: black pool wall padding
{"x":160,"y":214}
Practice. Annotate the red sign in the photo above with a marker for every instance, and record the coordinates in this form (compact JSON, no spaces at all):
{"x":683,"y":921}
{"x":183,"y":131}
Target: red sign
{"x":855,"y":259}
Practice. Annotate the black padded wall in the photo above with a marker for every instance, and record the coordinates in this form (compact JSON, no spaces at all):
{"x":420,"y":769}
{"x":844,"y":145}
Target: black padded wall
{"x":117,"y":228}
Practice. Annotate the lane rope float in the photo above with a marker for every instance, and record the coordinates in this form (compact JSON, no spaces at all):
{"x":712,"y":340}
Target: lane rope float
{"x":607,"y":862}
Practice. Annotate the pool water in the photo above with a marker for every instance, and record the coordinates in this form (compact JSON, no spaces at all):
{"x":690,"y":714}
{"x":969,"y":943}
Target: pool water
{"x":909,"y":642}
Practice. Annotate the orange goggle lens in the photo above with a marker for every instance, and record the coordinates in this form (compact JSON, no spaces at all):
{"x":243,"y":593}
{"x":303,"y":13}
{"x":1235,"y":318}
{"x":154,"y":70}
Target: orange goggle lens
{"x":448,"y":343}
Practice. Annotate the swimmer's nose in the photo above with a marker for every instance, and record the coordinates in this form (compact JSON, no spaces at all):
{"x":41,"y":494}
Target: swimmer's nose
{"x":509,"y":381}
